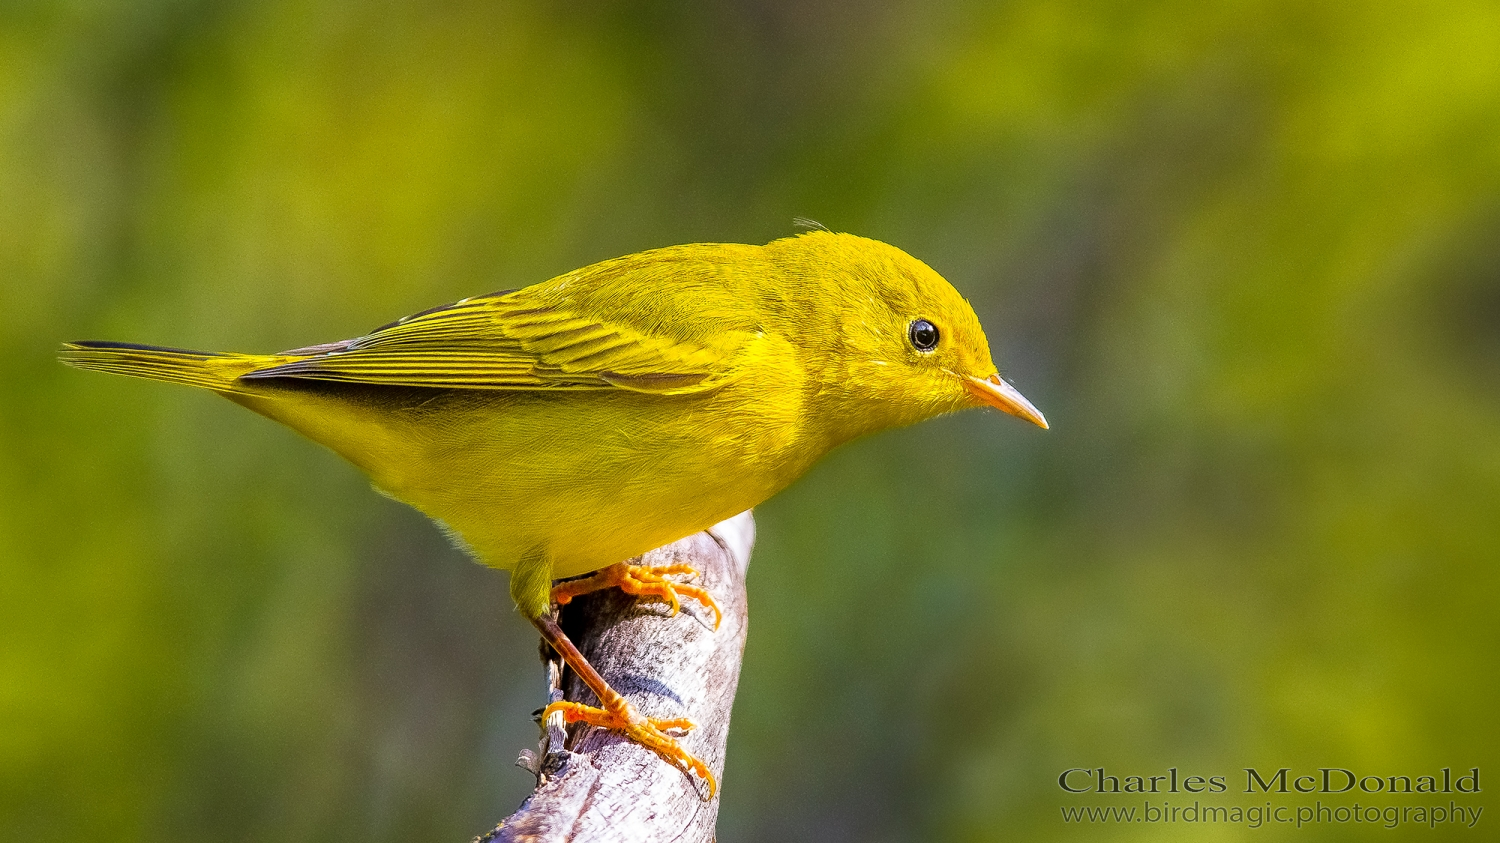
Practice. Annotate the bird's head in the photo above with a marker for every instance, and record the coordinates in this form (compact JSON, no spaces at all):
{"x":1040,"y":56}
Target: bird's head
{"x":908,"y":346}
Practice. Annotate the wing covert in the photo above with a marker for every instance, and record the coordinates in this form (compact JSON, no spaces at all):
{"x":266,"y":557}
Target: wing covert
{"x":550,"y":336}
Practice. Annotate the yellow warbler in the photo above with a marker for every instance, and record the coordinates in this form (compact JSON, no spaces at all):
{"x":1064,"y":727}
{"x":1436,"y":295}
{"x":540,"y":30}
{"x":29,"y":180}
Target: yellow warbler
{"x":568,"y":426}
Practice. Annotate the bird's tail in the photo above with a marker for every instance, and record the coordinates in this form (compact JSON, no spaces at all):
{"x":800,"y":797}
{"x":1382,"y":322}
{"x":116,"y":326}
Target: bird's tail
{"x":218,"y":371}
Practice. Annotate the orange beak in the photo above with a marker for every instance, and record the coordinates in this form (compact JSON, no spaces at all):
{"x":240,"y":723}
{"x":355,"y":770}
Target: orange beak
{"x":1002,"y":396}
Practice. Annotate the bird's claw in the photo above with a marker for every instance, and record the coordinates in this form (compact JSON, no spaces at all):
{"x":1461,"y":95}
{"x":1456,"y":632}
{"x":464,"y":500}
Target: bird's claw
{"x":646,"y":731}
{"x":640,"y":581}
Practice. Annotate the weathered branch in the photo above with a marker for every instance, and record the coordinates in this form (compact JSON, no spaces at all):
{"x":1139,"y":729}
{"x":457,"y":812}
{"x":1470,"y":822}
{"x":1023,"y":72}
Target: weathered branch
{"x":593,"y":785}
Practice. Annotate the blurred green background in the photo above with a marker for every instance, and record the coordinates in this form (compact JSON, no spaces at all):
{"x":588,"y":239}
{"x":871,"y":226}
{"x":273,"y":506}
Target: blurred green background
{"x":1245,"y":255}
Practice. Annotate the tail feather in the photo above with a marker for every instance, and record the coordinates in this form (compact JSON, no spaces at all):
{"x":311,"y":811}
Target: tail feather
{"x":218,"y":371}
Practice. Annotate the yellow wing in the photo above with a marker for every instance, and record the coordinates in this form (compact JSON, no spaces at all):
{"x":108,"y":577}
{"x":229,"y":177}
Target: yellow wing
{"x":621,"y":324}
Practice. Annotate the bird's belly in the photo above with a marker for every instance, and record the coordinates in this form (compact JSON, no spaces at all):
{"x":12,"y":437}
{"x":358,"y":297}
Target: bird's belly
{"x":614,"y":528}
{"x":591,"y":479}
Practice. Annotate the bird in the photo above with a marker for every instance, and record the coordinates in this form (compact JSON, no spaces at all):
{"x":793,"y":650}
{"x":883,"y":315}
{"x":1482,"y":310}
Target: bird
{"x":562,"y":429}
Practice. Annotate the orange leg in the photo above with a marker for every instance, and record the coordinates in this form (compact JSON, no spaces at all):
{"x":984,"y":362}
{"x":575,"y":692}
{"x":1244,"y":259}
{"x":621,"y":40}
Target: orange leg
{"x":617,"y":713}
{"x":641,"y":581}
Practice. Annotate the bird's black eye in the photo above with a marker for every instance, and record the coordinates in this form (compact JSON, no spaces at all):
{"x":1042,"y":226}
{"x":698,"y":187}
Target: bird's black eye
{"x":924,"y":335}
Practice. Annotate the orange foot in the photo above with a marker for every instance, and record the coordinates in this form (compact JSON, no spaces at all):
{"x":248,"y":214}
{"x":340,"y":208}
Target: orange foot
{"x":641,"y":581}
{"x":620,"y":716}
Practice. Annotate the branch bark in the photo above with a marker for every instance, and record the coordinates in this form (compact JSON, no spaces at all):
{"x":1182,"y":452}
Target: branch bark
{"x":593,"y":784}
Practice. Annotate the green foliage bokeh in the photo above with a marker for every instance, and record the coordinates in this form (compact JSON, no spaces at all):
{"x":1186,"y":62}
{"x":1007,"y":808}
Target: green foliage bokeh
{"x":1245,"y":255}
